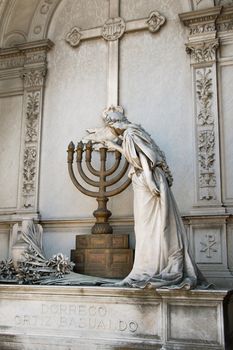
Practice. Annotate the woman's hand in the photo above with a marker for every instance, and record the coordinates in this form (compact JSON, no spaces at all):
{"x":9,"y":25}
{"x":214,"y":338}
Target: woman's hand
{"x":109,"y":144}
{"x":112,"y":146}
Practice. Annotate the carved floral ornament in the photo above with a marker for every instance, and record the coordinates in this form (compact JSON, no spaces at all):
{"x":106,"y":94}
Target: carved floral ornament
{"x":34,"y":77}
{"x":32,"y":116}
{"x":203,"y":51}
{"x":205,"y":135}
{"x":29,"y":170}
{"x":202,"y":28}
{"x":204,"y":93}
{"x":30,"y":157}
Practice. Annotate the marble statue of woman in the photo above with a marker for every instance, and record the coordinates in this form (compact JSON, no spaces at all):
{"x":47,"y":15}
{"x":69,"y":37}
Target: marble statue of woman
{"x":161,"y":253}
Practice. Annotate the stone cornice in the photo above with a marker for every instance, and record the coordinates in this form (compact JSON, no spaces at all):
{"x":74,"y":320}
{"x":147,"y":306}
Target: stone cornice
{"x":225,"y":20}
{"x":27,"y":47}
{"x":25,"y":54}
{"x":196,"y":17}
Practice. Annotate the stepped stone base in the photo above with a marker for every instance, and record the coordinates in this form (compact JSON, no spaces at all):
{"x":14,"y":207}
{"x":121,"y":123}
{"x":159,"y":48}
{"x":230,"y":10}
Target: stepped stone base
{"x":94,"y":318}
{"x":103,"y":255}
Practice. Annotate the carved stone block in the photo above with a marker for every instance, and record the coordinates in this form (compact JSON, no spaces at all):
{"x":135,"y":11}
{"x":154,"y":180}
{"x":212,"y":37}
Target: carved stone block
{"x":92,"y":318}
{"x":103,"y":255}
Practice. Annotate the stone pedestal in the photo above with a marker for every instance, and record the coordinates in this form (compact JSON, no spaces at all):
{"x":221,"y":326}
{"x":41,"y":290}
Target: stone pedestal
{"x":103,"y":255}
{"x":94,"y":318}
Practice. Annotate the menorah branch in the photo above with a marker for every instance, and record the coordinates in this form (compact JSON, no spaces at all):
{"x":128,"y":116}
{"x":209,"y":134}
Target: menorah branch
{"x":101,"y":214}
{"x":115,"y":165}
{"x":78,"y":185}
{"x":118,"y":177}
{"x":85,"y":177}
{"x":119,"y":189}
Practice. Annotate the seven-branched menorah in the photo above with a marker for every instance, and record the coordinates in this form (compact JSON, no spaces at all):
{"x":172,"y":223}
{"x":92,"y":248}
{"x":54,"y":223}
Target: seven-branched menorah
{"x":102,"y":213}
{"x":100,"y":254}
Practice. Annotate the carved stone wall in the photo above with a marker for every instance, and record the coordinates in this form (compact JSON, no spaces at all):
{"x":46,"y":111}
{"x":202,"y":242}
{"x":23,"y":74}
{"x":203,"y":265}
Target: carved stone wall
{"x":22,"y":73}
{"x":202,"y":46}
{"x":76,"y":92}
{"x":210,"y":45}
{"x":209,"y":239}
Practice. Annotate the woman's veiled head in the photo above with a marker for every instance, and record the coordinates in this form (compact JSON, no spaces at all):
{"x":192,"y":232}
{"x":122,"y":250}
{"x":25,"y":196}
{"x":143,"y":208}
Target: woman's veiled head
{"x":116,"y":120}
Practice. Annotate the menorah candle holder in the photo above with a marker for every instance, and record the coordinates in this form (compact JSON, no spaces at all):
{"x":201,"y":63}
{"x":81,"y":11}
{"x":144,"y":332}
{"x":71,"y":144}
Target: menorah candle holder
{"x":102,"y":253}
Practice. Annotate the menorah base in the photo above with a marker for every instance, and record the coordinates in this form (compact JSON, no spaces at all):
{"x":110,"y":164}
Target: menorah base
{"x":103,"y":255}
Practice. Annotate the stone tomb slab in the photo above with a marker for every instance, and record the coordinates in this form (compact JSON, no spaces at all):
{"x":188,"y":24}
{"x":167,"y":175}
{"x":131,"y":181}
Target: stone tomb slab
{"x":86,"y":318}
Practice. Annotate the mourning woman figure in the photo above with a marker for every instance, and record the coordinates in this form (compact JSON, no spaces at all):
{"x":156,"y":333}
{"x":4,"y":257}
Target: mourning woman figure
{"x":161,"y":253}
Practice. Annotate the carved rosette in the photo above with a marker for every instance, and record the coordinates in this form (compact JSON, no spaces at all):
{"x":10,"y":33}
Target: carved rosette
{"x":155,"y":21}
{"x":74,"y":36}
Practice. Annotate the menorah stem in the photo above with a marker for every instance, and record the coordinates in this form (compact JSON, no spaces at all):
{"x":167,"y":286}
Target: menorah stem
{"x":102,"y":215}
{"x":102,"y":253}
{"x":103,"y":158}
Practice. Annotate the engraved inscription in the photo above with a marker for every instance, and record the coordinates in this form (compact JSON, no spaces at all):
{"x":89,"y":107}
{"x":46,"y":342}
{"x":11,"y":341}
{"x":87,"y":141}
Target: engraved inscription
{"x":113,"y":28}
{"x":76,"y":317}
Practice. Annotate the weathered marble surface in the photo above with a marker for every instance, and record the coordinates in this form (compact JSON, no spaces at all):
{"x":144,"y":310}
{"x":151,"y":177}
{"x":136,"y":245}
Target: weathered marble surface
{"x":10,"y":129}
{"x":71,"y":318}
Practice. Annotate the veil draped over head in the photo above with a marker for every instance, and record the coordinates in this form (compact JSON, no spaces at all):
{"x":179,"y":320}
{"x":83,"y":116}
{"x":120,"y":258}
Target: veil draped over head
{"x":162,"y":258}
{"x":138,"y":140}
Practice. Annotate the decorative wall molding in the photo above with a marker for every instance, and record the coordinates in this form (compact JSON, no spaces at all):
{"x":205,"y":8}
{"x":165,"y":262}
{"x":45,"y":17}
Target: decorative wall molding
{"x":224,"y":2}
{"x":34,"y":78}
{"x":202,"y":51}
{"x":28,"y":61}
{"x":209,"y":241}
{"x":202,"y":46}
{"x":29,"y":54}
{"x":206,"y":17}
{"x":41,"y":19}
{"x":225,"y":21}
{"x":205,"y":135}
{"x":114,"y":28}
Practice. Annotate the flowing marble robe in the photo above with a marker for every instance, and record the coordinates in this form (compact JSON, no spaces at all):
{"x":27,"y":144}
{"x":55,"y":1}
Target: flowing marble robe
{"x":161,"y":254}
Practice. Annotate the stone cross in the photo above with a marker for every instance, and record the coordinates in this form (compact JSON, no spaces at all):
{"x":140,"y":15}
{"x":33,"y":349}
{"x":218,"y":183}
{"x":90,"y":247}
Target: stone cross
{"x":112,"y":31}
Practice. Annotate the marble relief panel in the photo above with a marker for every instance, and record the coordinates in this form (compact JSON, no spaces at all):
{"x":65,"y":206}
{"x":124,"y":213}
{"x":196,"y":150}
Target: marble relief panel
{"x":208,"y":245}
{"x":227,"y":132}
{"x":4,"y":239}
{"x":230,"y":246}
{"x":10,"y":133}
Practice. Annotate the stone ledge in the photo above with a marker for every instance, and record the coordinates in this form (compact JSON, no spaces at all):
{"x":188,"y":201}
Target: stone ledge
{"x":70,"y":318}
